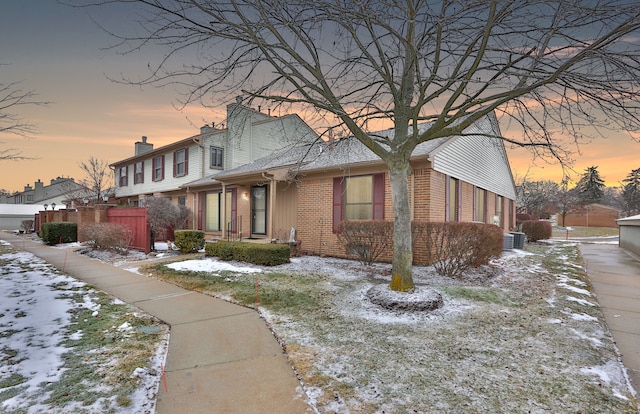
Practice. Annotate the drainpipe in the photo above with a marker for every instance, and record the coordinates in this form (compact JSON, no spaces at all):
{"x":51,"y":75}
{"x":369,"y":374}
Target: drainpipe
{"x":198,"y":142}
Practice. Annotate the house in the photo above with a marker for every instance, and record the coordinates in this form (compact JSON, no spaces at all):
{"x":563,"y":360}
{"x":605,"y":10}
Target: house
{"x":58,"y":191}
{"x":630,"y":233}
{"x":168,"y":171}
{"x":593,"y":215}
{"x":12,"y":215}
{"x":312,"y":188}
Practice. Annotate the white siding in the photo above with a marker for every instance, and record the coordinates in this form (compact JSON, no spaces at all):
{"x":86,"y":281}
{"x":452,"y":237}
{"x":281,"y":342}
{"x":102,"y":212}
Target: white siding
{"x":479,"y":160}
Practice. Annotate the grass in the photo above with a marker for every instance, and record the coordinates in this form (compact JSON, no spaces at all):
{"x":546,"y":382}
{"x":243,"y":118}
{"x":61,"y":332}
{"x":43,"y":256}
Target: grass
{"x":102,"y":348}
{"x":507,"y":339}
{"x":577,"y":231}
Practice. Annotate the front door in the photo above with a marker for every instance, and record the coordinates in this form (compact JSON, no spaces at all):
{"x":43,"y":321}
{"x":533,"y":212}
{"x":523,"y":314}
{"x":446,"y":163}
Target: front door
{"x":259,"y":209}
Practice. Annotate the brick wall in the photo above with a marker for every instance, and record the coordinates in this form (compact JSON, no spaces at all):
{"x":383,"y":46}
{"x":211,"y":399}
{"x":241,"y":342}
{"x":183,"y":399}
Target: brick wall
{"x":593,"y":216}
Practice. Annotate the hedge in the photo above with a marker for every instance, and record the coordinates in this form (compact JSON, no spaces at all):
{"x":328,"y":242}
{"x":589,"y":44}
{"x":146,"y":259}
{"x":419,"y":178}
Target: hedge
{"x":189,"y":241}
{"x":537,"y":230}
{"x":59,"y":232}
{"x":256,"y":253}
{"x":366,"y":240}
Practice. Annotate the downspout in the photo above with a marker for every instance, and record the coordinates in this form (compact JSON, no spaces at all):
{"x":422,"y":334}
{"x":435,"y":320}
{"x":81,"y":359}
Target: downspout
{"x":199,"y":143}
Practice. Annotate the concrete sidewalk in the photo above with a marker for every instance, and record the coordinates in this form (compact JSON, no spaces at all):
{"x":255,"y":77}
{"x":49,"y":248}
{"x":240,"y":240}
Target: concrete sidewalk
{"x":615,"y":276}
{"x":222,"y":358}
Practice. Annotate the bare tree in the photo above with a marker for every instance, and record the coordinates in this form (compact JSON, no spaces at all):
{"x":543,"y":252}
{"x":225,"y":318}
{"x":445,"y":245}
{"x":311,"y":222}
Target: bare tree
{"x":97,"y":177}
{"x":163,"y":216}
{"x":548,"y":67}
{"x":11,"y":98}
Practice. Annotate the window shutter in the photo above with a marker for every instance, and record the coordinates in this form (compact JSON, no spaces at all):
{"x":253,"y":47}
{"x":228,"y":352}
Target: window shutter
{"x":337,"y":203}
{"x":175,"y":161}
{"x":378,"y":196}
{"x":163,"y":166}
{"x":186,"y":161}
{"x":201,"y":197}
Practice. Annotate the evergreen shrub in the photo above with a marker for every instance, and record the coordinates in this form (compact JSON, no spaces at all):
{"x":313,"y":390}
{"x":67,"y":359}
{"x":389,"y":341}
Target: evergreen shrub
{"x":256,"y":253}
{"x":189,"y":241}
{"x":59,"y":232}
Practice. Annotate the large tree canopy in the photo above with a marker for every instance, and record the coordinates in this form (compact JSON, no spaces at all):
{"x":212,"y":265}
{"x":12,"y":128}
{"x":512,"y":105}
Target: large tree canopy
{"x":550,"y":68}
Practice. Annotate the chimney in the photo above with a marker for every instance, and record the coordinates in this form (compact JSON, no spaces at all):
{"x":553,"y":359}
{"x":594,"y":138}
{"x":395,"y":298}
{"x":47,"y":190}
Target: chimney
{"x":238,"y":99}
{"x":143,"y":147}
{"x":205,"y":129}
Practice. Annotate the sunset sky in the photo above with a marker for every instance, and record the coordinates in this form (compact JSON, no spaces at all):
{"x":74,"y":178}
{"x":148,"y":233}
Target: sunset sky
{"x":62,"y":55}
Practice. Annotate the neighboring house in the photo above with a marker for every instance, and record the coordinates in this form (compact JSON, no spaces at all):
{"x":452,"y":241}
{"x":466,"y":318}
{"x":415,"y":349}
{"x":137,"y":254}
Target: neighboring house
{"x":167,"y":171}
{"x":58,"y":192}
{"x":630,"y":233}
{"x":593,"y":215}
{"x":313,"y":188}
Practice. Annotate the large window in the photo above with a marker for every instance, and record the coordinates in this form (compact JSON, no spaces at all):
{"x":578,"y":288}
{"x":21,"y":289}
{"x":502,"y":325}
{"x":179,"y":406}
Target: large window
{"x":453,"y":199}
{"x":158,"y":168}
{"x":180,"y":163}
{"x":217,"y":157}
{"x":480,"y":204}
{"x":122,"y":176}
{"x":213,"y":206}
{"x":358,"y":198}
{"x":138,"y":176}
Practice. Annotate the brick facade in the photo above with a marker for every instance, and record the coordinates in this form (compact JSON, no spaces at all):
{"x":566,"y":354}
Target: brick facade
{"x":593,"y":215}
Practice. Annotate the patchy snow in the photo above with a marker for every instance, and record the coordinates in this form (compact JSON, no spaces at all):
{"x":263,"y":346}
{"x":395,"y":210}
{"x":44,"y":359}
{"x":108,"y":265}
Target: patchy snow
{"x":36,"y":307}
{"x":212,"y":265}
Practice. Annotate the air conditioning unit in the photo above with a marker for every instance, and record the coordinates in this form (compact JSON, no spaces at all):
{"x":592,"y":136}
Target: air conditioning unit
{"x":508,"y":242}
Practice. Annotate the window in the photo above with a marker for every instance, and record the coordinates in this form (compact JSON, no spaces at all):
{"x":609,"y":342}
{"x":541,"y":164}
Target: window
{"x":213,"y":211}
{"x":480,"y":204}
{"x":158,"y":168}
{"x":499,"y":213}
{"x":217,"y":157}
{"x":453,"y":199}
{"x":182,"y":200}
{"x":358,"y":198}
{"x":138,"y":175}
{"x":122,"y":176}
{"x":180,"y":163}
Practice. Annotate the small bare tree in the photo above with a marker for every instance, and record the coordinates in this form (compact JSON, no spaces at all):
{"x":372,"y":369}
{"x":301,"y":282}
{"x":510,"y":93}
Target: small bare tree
{"x":97,"y":176}
{"x":11,"y":98}
{"x":163,"y":215}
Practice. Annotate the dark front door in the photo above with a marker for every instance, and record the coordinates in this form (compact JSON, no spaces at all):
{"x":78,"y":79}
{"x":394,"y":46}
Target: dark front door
{"x":259,"y":210}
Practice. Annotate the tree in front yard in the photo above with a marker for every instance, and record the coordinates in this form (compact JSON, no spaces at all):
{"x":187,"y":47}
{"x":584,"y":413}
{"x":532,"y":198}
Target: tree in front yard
{"x":546,"y":68}
{"x":163,"y":215}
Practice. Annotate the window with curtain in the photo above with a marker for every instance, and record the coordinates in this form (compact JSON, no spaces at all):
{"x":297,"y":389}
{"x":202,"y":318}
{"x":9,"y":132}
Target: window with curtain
{"x":358,"y":198}
{"x":453,"y":199}
{"x":480,"y":210}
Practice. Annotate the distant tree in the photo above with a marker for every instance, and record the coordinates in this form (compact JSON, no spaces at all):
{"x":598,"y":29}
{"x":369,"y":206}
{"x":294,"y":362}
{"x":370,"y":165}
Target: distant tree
{"x":163,"y":215}
{"x":631,"y":192}
{"x":96,"y":180}
{"x":590,"y":187}
{"x":12,"y":97}
{"x":536,"y":197}
{"x":566,"y":199}
{"x":612,"y":197}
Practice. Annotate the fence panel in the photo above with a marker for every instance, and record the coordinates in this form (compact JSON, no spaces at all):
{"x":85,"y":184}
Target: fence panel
{"x":136,"y":220}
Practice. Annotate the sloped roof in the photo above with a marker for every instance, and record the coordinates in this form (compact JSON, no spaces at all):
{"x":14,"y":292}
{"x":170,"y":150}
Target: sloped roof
{"x":20,"y":209}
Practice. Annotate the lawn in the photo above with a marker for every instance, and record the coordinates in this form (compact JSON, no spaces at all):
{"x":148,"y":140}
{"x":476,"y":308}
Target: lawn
{"x":560,"y":232}
{"x":522,"y":335}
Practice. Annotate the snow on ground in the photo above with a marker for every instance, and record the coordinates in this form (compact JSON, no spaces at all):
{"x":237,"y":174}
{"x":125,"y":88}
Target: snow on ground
{"x":36,"y":306}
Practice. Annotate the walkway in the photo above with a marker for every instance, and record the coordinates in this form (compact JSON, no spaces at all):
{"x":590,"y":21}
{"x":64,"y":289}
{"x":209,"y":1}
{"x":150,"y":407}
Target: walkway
{"x":615,"y":276}
{"x":222,"y":358}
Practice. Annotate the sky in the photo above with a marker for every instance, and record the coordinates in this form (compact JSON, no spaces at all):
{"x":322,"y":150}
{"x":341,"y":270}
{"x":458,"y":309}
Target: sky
{"x":61,"y":54}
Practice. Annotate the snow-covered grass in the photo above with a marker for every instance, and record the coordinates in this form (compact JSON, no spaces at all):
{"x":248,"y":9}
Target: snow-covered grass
{"x":522,"y":335}
{"x":67,"y":348}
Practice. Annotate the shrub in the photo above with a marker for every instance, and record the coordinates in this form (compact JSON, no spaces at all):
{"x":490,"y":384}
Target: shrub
{"x":27,"y":225}
{"x":260,"y":254}
{"x":521,"y":217}
{"x":189,"y":241}
{"x":367,"y":239}
{"x":453,"y":248}
{"x":60,"y":232}
{"x":108,"y":236}
{"x":537,"y":230}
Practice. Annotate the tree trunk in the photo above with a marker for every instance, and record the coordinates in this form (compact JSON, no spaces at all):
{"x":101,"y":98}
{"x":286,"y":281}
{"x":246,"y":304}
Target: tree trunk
{"x":402,"y":261}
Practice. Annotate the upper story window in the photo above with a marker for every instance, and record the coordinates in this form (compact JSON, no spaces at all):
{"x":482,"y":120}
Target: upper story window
{"x":180,"y":162}
{"x":123,"y":179}
{"x":217,"y":157}
{"x":158,"y":168}
{"x":138,"y":175}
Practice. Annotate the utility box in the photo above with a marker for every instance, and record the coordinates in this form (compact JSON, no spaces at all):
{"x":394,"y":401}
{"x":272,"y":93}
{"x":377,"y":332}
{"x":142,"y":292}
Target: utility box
{"x":508,"y":242}
{"x":518,"y":240}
